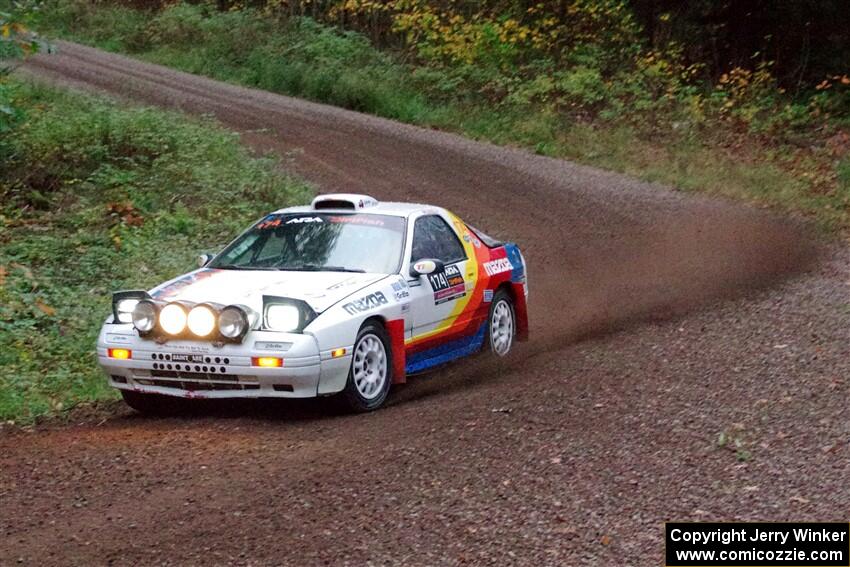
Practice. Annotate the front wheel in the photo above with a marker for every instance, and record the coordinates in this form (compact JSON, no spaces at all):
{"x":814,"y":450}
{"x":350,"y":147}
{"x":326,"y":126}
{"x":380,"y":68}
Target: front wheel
{"x":501,"y":328}
{"x":370,"y":374}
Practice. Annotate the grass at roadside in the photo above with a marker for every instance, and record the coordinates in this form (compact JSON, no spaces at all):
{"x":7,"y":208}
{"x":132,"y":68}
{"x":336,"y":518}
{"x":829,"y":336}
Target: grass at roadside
{"x":96,"y":197}
{"x":300,"y":57}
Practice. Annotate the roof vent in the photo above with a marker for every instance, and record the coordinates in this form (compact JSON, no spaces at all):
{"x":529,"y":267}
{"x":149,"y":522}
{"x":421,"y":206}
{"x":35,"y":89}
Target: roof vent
{"x":350,"y":201}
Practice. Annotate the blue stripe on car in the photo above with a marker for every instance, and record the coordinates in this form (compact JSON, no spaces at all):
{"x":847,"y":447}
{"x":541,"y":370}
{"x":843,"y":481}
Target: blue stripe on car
{"x":518,"y":273}
{"x":446,"y":352}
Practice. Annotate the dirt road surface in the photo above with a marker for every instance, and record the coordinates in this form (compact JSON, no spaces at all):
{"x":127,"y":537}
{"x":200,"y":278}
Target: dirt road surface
{"x":689,"y":361}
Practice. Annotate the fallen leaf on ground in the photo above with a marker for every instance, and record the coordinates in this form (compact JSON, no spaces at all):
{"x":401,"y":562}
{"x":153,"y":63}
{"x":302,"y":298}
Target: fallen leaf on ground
{"x":45,"y":308}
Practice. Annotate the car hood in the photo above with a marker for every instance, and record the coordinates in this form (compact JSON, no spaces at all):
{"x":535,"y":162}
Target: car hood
{"x":320,"y":290}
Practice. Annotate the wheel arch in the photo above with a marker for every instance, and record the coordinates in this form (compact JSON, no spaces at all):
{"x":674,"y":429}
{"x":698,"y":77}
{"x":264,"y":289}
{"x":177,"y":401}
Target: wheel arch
{"x":508,"y":288}
{"x":374,"y":318}
{"x":516,"y":292}
{"x":395,"y":331}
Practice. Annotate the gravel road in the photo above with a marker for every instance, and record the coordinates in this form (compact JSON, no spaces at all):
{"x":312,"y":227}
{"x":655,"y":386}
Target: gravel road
{"x":661,"y":323}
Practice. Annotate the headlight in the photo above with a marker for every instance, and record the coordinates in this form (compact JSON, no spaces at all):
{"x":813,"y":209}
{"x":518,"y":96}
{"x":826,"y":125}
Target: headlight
{"x":125,"y":308}
{"x":232,"y":322}
{"x":284,"y":318}
{"x":172,"y":319}
{"x":201,"y":320}
{"x":144,"y":316}
{"x":286,"y":315}
{"x":123,"y":304}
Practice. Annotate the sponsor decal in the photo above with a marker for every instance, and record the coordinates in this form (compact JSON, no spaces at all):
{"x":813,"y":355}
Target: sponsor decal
{"x":276,"y":220}
{"x":187,"y":358}
{"x":299,"y":220}
{"x":365,"y":303}
{"x":494,"y":267}
{"x":400,"y":290}
{"x":190,"y":348}
{"x":447,"y":285}
{"x":270,"y":222}
{"x":488,"y":295}
{"x":358,"y":219}
{"x":467,"y":237}
{"x":424,"y":266}
{"x":176,"y":286}
{"x":268,"y":345}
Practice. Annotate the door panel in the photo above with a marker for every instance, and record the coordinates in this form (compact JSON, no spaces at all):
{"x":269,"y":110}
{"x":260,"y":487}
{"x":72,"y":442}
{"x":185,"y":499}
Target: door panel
{"x":437,"y":296}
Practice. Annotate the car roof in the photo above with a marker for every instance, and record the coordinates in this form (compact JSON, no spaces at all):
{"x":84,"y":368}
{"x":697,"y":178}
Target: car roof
{"x":378,"y":208}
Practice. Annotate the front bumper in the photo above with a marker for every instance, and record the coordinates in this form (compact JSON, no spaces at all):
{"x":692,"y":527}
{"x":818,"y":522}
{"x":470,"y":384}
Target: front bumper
{"x":197,"y":369}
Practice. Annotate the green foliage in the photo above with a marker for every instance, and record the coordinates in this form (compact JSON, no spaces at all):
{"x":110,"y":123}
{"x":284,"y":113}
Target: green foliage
{"x":306,"y":59}
{"x":97,"y":197}
{"x":10,"y":113}
{"x":16,"y":42}
{"x":16,"y":38}
{"x":806,"y":40}
{"x":549,"y":76}
{"x":585,"y":59}
{"x":296,"y":57}
{"x":112,"y":28}
{"x":843,"y":171}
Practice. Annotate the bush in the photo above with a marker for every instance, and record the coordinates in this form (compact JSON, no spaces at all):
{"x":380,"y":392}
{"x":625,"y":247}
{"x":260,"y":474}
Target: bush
{"x":298,"y":57}
{"x":97,"y":197}
{"x":17,"y":41}
{"x":304,"y":58}
{"x":112,"y":27}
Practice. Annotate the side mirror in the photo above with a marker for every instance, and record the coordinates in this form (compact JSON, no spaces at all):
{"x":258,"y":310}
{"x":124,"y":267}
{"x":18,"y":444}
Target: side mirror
{"x":426,"y":268}
{"x":205,"y":259}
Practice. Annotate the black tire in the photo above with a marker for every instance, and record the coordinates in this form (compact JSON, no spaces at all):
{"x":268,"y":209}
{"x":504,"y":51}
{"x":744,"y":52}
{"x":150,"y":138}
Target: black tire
{"x":500,"y":297}
{"x":152,"y":404}
{"x":351,"y":396}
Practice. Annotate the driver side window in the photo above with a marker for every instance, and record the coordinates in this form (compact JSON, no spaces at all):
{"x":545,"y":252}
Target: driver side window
{"x":433,"y":238}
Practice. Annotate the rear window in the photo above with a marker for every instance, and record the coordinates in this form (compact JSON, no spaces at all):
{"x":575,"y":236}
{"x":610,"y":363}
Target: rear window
{"x":488,"y":241}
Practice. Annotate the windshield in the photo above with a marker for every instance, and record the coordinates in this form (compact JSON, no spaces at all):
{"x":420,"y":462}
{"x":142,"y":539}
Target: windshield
{"x":318,"y":242}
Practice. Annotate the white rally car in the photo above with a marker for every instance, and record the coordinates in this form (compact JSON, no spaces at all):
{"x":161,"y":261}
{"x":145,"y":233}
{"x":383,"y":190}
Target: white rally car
{"x":346,"y":296}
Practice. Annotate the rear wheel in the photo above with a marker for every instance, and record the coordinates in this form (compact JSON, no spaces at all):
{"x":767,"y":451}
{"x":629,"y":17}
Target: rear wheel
{"x":501,"y":327}
{"x":152,"y":404}
{"x":370,"y":374}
